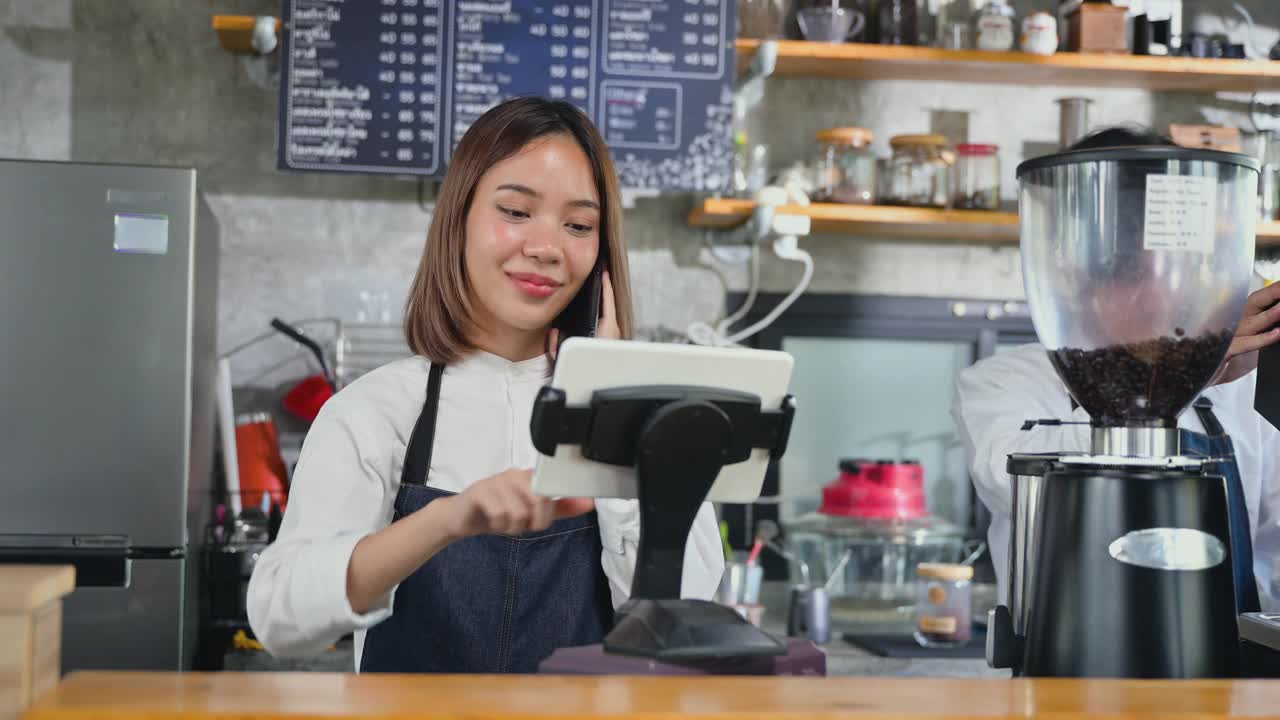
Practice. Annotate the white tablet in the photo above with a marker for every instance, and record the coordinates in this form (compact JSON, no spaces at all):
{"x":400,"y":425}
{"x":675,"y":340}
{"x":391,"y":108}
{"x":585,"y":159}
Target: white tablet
{"x":587,"y":365}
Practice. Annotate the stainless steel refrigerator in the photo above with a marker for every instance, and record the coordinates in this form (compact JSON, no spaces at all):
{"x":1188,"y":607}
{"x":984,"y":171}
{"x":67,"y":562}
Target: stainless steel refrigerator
{"x":107,"y":348}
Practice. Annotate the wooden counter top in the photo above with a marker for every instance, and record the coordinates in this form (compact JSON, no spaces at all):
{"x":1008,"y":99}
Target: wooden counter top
{"x":27,"y":587}
{"x":252,"y":696}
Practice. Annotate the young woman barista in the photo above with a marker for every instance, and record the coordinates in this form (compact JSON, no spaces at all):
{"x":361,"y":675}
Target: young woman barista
{"x":410,"y":521}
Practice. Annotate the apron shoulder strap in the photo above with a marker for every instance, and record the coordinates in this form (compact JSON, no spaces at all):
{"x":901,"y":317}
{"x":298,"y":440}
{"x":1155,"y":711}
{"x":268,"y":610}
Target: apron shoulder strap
{"x":1204,"y":410}
{"x":417,"y":457}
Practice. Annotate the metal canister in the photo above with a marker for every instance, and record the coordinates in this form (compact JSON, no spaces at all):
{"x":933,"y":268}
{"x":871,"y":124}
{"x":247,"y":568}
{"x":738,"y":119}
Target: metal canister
{"x":1269,"y":192}
{"x":1073,"y":120}
{"x":809,"y":614}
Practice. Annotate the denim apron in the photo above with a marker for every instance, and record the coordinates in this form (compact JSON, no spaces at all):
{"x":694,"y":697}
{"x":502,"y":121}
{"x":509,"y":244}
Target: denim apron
{"x":1215,"y":443}
{"x":489,"y":603}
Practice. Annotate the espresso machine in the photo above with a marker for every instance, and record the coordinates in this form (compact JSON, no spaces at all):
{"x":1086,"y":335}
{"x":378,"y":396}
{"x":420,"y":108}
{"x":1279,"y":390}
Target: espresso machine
{"x":1137,"y":263}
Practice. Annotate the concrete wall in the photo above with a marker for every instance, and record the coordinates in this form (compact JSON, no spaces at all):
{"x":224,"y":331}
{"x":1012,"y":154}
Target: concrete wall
{"x":144,"y":81}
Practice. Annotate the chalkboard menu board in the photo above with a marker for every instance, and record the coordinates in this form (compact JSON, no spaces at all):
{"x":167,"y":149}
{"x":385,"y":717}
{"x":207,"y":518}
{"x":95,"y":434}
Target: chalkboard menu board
{"x":390,"y":86}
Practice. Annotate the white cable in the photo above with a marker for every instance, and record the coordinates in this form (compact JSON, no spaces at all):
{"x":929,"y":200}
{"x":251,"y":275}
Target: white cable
{"x":701,"y":333}
{"x":752,"y":290}
{"x":1250,"y":41}
{"x":716,"y":253}
{"x":786,"y":247}
{"x":264,"y":39}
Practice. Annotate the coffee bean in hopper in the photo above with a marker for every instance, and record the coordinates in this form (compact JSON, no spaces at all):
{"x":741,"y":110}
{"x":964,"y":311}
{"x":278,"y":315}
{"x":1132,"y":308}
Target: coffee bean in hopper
{"x":1141,"y":383}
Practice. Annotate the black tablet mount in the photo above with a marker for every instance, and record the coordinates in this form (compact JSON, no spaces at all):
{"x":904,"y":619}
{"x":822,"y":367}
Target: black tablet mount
{"x":677,"y":438}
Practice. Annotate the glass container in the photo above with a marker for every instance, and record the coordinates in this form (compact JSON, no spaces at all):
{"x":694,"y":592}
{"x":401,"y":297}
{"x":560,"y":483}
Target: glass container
{"x":762,"y":19}
{"x":943,"y":617}
{"x":919,"y":171}
{"x":954,"y":25}
{"x":1136,"y":262}
{"x":975,"y":180}
{"x":846,"y":166}
{"x":876,"y":587}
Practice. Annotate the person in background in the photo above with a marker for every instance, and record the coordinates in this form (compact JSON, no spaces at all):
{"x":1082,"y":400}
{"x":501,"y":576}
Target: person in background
{"x":412,"y":521}
{"x":994,"y":397}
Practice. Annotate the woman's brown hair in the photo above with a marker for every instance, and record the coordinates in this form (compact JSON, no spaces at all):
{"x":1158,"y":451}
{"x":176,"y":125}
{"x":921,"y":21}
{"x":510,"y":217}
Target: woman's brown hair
{"x":439,"y":308}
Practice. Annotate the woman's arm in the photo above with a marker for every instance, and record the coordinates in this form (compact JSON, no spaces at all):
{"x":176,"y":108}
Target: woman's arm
{"x":504,"y":503}
{"x":336,"y":562}
{"x":341,"y":492}
{"x":381,"y":561}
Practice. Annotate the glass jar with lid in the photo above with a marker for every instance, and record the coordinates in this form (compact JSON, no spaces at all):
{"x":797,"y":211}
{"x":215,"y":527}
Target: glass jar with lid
{"x":975,"y":180}
{"x":846,"y":166}
{"x":943,"y":604}
{"x":919,"y":171}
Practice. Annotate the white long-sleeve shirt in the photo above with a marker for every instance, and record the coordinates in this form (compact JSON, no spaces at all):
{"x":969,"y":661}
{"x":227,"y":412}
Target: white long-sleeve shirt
{"x":348,"y":474}
{"x":995,"y":396}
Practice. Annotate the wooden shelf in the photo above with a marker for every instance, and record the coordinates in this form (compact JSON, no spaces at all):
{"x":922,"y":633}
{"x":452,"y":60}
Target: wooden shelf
{"x":888,"y":62}
{"x":875,"y":220}
{"x":902,"y":222}
{"x":235,"y":32}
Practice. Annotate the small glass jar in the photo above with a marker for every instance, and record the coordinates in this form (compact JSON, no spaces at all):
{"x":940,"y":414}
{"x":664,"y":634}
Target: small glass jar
{"x":955,"y":25}
{"x":943,"y":614}
{"x":846,"y":166}
{"x":763,"y":19}
{"x":975,"y":180}
{"x":919,"y":171}
{"x":994,"y":27}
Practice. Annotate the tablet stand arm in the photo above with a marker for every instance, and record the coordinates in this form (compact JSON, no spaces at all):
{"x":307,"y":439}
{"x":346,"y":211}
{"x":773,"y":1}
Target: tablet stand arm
{"x":678,"y":438}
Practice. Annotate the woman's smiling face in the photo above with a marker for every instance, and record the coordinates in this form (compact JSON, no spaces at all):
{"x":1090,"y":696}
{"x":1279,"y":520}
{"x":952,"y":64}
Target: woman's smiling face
{"x":532,"y":237}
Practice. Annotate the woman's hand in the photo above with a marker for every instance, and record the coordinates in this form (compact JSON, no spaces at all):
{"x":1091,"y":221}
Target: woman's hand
{"x":1257,"y":330}
{"x":505,"y":504}
{"x":606,"y":326}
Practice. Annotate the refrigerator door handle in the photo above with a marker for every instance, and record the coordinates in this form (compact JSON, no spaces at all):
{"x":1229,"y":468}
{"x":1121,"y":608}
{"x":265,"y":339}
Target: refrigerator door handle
{"x":102,"y":561}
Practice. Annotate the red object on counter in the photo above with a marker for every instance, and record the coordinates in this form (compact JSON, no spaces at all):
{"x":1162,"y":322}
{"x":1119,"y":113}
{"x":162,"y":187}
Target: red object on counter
{"x":881,"y":489}
{"x":307,"y":397}
{"x":261,"y":467}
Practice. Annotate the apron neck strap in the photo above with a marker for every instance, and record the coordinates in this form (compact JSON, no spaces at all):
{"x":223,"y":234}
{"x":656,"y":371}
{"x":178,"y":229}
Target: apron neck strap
{"x":417,"y":457}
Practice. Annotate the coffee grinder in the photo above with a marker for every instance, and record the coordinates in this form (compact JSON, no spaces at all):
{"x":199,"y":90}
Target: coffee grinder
{"x":1136,"y":263}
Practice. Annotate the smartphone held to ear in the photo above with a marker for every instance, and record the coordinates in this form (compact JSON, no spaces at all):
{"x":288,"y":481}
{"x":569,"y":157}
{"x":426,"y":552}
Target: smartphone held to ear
{"x":582,"y":315}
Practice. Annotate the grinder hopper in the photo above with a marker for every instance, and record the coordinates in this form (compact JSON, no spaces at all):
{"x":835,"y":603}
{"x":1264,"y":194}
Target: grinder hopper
{"x":1137,"y":263}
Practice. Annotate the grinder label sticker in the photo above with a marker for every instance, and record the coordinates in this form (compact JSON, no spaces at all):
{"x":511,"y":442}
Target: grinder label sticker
{"x":1181,"y":212}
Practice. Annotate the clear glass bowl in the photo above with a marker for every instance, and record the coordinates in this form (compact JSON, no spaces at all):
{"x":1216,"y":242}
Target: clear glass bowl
{"x":877,"y":586}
